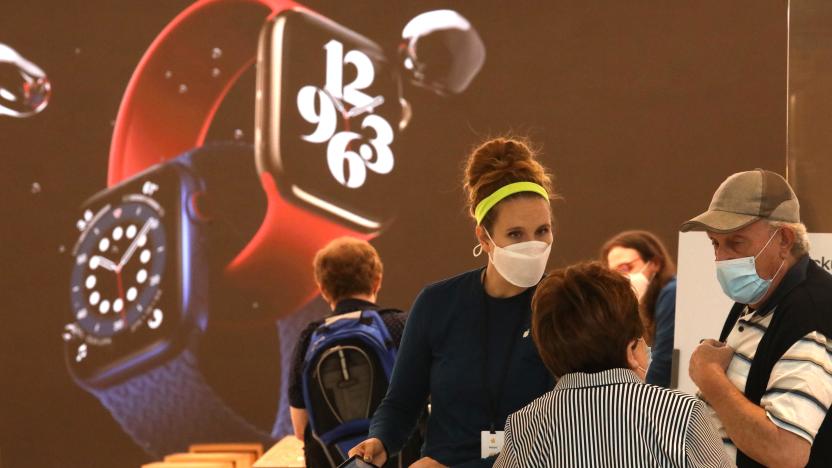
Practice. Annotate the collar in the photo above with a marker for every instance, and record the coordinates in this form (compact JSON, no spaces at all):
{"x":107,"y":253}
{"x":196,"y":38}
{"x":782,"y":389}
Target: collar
{"x":351,"y":305}
{"x":480,"y":285}
{"x":615,"y":376}
{"x":793,"y":277}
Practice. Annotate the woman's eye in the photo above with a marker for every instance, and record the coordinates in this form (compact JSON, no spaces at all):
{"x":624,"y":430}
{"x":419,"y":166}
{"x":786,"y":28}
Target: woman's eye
{"x":514,"y":234}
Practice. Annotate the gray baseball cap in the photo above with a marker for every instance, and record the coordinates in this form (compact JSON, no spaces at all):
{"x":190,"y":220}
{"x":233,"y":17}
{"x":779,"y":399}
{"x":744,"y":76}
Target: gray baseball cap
{"x":746,"y":197}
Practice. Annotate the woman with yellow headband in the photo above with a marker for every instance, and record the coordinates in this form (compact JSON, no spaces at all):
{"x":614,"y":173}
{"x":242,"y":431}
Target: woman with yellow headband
{"x":466,"y":344}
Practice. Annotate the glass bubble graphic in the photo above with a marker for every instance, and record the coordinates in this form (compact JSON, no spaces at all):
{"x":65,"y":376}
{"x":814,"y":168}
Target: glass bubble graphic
{"x":24,"y":86}
{"x":441,"y":51}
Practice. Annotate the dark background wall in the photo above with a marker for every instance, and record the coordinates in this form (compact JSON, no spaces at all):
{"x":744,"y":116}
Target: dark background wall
{"x":641,"y":108}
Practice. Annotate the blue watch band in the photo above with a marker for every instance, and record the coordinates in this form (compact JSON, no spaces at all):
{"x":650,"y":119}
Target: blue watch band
{"x":172,"y":406}
{"x":289,"y":329}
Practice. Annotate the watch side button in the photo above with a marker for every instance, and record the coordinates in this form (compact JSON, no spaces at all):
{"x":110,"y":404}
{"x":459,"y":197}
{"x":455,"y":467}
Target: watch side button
{"x":198,"y":207}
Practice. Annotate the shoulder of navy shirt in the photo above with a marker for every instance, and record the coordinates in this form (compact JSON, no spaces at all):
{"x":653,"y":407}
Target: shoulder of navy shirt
{"x":441,"y":357}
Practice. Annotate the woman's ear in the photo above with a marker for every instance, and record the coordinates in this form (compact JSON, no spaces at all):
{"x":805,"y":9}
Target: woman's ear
{"x":632,"y":361}
{"x":482,"y":237}
{"x":653,"y":267}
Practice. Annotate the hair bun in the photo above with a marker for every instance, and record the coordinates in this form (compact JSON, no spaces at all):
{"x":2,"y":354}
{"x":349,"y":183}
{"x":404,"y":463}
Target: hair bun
{"x":498,"y":155}
{"x":498,"y":162}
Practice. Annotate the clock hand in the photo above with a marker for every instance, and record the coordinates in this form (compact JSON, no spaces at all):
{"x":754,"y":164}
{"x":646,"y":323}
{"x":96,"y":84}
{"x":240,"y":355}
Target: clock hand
{"x":123,"y":312}
{"x":135,"y":244}
{"x":358,"y":110}
{"x":337,"y":102}
{"x":105,"y":263}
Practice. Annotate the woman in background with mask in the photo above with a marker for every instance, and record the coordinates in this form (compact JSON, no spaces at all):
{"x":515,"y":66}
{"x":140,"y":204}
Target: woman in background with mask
{"x":642,"y":257}
{"x":466,"y":344}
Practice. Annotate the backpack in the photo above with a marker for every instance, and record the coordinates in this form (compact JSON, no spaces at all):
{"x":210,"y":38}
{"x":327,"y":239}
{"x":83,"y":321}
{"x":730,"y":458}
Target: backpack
{"x":346,"y":371}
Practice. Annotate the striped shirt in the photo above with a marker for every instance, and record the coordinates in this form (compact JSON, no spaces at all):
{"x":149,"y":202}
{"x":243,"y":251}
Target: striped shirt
{"x":611,"y":418}
{"x":799,"y":389}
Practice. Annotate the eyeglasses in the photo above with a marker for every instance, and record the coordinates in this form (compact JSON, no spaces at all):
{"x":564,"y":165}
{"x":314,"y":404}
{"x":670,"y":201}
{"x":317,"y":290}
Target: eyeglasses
{"x":629,"y":267}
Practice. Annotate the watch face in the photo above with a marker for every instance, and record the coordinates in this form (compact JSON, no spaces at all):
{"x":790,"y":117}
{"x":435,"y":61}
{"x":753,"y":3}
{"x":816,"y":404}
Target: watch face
{"x":328,"y":114}
{"x":128,"y":282}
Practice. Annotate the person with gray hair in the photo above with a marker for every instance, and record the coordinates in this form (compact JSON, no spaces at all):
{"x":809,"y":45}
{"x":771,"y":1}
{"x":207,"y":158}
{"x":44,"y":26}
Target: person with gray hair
{"x":767,"y":381}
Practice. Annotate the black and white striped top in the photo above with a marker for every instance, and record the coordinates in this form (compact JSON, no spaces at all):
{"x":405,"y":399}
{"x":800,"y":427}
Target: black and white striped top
{"x":611,"y":418}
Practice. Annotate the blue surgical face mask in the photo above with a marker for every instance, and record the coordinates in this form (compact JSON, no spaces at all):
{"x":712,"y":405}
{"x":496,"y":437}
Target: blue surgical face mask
{"x":739,"y":278}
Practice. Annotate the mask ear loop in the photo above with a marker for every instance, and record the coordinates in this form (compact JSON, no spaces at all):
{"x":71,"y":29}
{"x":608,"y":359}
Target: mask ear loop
{"x":778,"y":270}
{"x":478,"y":248}
{"x":764,"y":248}
{"x":767,"y":243}
{"x":648,"y":356}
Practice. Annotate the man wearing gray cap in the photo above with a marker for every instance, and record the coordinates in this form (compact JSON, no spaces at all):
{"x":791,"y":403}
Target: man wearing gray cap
{"x":768,"y":380}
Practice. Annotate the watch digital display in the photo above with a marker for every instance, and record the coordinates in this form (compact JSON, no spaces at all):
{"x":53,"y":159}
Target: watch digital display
{"x":130,"y":274}
{"x":328,"y":116}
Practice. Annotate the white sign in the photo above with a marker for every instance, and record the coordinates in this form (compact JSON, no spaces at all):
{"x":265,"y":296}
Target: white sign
{"x":701,"y":306}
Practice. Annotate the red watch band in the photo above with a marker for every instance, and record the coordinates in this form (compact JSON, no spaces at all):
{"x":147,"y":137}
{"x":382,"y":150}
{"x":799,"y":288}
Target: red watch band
{"x":167,"y":109}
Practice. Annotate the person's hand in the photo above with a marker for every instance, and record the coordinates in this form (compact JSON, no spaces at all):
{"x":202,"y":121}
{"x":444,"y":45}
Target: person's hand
{"x":371,"y":451}
{"x":427,"y":462}
{"x":710,"y":358}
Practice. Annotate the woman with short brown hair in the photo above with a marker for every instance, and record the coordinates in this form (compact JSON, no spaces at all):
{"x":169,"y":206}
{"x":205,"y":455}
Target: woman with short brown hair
{"x":586,"y":327}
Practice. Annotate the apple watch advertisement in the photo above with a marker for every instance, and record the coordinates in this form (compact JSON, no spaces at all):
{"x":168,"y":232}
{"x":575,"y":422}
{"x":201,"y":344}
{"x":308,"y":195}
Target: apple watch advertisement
{"x":170,"y":169}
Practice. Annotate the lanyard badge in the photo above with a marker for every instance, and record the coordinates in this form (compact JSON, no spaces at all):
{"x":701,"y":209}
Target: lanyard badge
{"x":491,"y":441}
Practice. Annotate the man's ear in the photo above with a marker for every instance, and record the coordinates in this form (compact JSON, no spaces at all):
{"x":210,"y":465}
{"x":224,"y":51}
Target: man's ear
{"x":787,"y":240}
{"x":323,"y":294}
{"x":377,"y":285}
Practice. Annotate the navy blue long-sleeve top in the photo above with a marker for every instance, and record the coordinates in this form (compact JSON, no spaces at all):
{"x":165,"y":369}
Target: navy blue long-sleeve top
{"x":442,"y":356}
{"x":659,"y":372}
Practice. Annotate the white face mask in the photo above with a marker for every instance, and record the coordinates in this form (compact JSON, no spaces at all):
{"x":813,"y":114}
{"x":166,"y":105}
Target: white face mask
{"x":640,"y":282}
{"x":521,"y":264}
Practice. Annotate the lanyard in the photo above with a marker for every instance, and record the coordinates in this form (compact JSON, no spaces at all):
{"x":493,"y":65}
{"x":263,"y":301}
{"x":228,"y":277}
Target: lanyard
{"x":494,"y":400}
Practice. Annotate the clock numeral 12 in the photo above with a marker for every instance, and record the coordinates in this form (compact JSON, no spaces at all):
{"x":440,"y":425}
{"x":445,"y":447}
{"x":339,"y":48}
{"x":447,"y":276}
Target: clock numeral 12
{"x":335,"y":63}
